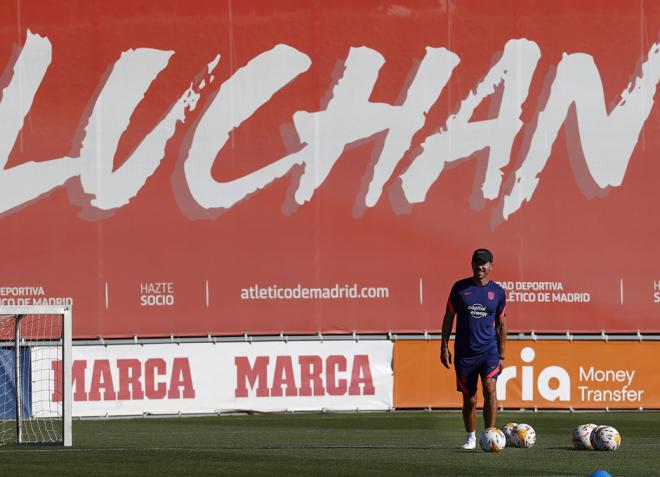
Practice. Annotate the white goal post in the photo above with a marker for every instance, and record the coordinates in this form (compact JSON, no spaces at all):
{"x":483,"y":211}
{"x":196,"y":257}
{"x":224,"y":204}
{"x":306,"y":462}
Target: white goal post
{"x":35,"y":375}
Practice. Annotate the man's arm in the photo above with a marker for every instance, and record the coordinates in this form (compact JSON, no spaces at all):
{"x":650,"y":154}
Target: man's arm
{"x":447,"y":325}
{"x":500,"y":328}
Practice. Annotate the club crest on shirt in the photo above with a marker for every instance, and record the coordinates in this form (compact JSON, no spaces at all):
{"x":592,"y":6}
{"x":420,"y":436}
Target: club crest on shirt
{"x":491,"y":296}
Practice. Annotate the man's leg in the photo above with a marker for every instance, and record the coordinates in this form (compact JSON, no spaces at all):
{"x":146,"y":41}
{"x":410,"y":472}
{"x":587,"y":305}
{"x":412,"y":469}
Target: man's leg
{"x":466,"y":382}
{"x":489,"y":371}
{"x":490,"y":402}
{"x":470,"y":412}
{"x":470,"y":420}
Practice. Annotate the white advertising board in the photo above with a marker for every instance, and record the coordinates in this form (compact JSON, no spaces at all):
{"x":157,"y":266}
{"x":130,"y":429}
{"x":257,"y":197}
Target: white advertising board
{"x":206,"y":377}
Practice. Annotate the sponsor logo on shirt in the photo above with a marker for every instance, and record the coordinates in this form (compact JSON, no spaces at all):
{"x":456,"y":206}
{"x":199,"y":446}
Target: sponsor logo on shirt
{"x":477,"y":310}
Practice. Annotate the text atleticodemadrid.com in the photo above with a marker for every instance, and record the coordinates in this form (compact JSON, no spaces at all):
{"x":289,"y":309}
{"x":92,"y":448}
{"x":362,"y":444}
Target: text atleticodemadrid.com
{"x":299,"y":292}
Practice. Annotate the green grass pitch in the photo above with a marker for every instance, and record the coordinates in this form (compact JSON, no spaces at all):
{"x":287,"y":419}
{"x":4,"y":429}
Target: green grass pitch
{"x":364,"y":444}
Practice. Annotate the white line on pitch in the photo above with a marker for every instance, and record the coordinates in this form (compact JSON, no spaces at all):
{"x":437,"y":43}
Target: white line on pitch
{"x":421,"y":291}
{"x":107,"y":301}
{"x":207,"y":293}
{"x":621,"y":284}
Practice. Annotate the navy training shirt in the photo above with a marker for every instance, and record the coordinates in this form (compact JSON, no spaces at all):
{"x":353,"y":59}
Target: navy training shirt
{"x":476,"y":307}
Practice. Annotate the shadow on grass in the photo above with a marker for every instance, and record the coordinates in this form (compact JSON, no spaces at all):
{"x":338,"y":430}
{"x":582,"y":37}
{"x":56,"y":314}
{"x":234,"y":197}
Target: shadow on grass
{"x":570,"y":449}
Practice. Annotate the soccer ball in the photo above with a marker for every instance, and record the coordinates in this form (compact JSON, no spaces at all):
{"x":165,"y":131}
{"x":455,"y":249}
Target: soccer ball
{"x":593,"y":438}
{"x":492,"y":440}
{"x":523,"y":435}
{"x":581,"y":437}
{"x":507,"y":430}
{"x":608,"y":438}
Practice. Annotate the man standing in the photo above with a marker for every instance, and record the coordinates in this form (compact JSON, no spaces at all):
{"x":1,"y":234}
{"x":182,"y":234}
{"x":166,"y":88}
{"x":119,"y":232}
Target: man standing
{"x":480,"y":340}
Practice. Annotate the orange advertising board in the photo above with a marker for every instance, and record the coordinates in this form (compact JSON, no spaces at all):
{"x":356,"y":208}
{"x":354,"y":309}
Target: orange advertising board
{"x":544,"y":374}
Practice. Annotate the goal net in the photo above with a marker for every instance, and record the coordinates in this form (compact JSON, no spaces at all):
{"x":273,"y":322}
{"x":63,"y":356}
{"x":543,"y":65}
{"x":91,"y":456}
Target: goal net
{"x":35,"y":375}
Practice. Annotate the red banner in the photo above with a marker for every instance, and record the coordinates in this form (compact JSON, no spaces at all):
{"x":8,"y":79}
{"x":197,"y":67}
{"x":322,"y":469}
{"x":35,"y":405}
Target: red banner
{"x":177,"y":168}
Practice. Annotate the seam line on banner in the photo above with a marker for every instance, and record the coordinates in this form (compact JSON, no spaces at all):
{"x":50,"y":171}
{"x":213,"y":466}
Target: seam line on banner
{"x":207,"y":293}
{"x":621,"y":287}
{"x":421,"y":294}
{"x":107,"y":301}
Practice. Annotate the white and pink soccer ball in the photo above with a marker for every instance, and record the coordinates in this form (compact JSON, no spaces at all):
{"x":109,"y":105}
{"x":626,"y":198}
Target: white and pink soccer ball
{"x":581,"y":437}
{"x":605,"y":438}
{"x":492,"y":440}
{"x":523,"y":435}
{"x":507,"y":429}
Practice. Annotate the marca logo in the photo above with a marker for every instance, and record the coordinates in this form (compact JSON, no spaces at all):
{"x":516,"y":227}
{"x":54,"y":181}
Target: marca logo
{"x":559,"y":390}
{"x":133,"y":379}
{"x":313,"y":376}
{"x":607,"y":137}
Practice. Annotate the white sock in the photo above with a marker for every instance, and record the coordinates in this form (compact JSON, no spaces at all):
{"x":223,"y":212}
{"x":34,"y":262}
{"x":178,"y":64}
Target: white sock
{"x":472,"y":435}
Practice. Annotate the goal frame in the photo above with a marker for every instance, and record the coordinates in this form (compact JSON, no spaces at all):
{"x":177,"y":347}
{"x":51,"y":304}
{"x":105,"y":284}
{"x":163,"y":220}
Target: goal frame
{"x":66,"y":368}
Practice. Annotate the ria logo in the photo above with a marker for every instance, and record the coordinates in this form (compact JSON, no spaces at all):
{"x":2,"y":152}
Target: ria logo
{"x":553,"y":383}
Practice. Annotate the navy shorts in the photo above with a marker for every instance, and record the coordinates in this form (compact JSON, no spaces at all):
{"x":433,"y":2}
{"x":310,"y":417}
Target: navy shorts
{"x":468,"y":370}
